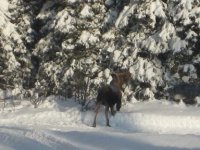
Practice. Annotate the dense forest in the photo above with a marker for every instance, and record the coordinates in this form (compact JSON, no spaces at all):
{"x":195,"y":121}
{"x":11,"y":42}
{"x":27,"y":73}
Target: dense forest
{"x":70,"y":47}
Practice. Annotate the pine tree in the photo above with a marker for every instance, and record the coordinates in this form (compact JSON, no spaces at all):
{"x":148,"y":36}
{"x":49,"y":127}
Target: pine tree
{"x":55,"y":42}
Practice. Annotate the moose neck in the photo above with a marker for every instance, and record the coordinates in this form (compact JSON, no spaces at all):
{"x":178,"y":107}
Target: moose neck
{"x":116,"y":83}
{"x":118,"y":79}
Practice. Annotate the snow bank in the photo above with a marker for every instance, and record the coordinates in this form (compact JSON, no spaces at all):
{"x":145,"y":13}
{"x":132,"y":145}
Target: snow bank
{"x":168,"y":120}
{"x":155,"y":117}
{"x":160,"y":117}
{"x":51,"y":113}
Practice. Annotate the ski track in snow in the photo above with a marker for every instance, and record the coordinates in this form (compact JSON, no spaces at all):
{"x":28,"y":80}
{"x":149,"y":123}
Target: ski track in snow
{"x":60,"y":125}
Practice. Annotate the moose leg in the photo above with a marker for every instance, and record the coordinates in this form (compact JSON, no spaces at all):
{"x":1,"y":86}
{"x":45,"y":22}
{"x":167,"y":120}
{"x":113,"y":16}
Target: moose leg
{"x":106,"y":114}
{"x":112,"y":111}
{"x":96,"y":112}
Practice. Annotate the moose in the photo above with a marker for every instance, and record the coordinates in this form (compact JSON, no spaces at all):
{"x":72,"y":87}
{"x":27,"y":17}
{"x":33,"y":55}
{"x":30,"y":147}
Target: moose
{"x":110,"y":95}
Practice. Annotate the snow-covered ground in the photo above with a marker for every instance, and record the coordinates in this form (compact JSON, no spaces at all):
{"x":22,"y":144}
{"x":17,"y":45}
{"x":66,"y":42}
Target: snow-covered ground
{"x":60,"y":125}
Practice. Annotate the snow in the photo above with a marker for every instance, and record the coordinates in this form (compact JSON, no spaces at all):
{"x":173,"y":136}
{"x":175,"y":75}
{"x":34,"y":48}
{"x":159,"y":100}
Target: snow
{"x":4,"y":5}
{"x":87,"y":12}
{"x":191,"y":35}
{"x":72,"y":1}
{"x":188,"y":10}
{"x":6,"y":27}
{"x":111,"y":48}
{"x":87,"y":38}
{"x":59,"y":124}
{"x":44,"y":9}
{"x":178,"y":45}
{"x":65,"y":22}
{"x":109,"y":35}
{"x":3,"y":13}
{"x":116,"y":55}
{"x":167,"y":31}
{"x":122,"y":20}
{"x":12,"y":63}
{"x":107,"y":73}
{"x":157,"y":9}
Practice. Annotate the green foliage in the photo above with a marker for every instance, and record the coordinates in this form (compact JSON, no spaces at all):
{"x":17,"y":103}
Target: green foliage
{"x":158,"y":41}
